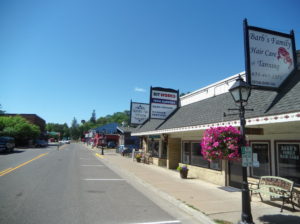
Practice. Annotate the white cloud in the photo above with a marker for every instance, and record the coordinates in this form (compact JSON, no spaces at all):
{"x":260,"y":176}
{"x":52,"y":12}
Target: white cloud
{"x":137,"y":89}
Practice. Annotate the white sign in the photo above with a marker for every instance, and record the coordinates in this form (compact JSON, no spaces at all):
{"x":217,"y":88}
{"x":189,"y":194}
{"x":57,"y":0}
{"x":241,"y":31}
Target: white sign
{"x":139,"y":113}
{"x":246,"y":156}
{"x":163,"y":103}
{"x":271,"y":58}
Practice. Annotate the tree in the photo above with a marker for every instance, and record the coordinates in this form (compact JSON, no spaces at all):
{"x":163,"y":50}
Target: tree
{"x":63,"y":129}
{"x":19,"y":128}
{"x":93,"y":118}
{"x":74,"y":130}
{"x":1,"y":111}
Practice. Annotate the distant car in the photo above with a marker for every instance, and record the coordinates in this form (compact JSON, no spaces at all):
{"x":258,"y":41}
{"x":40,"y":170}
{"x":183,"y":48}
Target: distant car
{"x":65,"y":141}
{"x":39,"y":143}
{"x":7,"y":144}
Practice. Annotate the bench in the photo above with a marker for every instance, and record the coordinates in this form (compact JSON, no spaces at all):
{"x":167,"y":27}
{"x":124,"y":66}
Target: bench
{"x":275,"y":187}
{"x":147,"y":158}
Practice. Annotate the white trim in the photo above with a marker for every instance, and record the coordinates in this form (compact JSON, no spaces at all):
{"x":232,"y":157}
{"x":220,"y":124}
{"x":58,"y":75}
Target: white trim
{"x":272,"y":119}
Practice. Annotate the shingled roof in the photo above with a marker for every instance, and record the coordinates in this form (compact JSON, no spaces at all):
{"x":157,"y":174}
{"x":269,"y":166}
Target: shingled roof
{"x":211,"y":110}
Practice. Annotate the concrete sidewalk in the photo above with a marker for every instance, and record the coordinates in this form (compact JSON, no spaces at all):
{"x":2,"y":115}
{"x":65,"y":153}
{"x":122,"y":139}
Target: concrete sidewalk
{"x":198,"y":198}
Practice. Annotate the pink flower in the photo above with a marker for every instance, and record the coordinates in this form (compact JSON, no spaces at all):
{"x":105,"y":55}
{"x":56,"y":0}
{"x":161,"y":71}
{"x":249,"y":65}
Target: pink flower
{"x":221,"y":143}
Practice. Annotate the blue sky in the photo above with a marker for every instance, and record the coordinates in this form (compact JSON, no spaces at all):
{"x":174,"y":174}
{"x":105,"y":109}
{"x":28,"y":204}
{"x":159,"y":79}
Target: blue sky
{"x":61,"y":59}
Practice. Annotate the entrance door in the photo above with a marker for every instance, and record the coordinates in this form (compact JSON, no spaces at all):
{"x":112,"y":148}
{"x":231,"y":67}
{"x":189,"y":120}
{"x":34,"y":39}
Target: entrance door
{"x":235,"y":174}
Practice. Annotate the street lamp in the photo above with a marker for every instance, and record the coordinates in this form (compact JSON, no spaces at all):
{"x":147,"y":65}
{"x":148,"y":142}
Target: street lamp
{"x":240,"y":92}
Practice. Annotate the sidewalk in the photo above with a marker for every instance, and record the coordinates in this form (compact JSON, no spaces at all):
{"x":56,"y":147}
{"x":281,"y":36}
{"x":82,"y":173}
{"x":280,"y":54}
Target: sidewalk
{"x":198,"y":197}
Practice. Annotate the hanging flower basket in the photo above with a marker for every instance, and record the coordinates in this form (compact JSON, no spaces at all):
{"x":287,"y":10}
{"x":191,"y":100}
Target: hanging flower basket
{"x":221,"y":143}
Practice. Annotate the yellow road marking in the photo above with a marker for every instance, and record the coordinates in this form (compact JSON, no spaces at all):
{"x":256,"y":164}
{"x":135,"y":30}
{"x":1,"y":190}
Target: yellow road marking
{"x":23,"y":164}
{"x":3,"y":171}
{"x":100,"y":156}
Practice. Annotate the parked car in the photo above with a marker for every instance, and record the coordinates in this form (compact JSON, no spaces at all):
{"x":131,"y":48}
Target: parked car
{"x":7,"y":144}
{"x":39,"y":143}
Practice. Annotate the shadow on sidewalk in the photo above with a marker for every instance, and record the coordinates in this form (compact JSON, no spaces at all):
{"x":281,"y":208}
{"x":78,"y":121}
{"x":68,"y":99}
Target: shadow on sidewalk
{"x":280,"y":219}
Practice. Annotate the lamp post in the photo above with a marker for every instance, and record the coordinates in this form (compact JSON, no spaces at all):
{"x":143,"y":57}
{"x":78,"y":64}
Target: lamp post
{"x":240,"y":92}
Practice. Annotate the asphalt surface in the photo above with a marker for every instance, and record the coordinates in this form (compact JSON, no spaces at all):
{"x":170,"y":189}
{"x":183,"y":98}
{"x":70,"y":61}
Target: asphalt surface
{"x":73,"y":186}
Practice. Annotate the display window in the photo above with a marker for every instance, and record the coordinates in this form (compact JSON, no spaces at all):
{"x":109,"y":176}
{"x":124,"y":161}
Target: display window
{"x":191,"y":154}
{"x":288,"y":160}
{"x":261,"y":158}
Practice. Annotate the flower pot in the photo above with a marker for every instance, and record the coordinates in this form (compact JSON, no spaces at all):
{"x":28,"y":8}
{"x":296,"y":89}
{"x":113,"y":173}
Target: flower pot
{"x":183,"y":174}
{"x":138,"y":160}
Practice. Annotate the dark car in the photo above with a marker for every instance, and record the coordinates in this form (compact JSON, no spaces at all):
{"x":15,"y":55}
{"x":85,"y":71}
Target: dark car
{"x":7,"y":144}
{"x":41,"y":143}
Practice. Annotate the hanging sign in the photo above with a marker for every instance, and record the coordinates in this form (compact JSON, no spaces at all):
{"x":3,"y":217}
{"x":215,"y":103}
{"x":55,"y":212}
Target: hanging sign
{"x":162,"y":102}
{"x":139,"y":113}
{"x":270,"y":56}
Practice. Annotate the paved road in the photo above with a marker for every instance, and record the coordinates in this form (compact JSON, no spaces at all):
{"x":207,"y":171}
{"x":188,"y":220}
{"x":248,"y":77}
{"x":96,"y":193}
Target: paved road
{"x":71,"y":186}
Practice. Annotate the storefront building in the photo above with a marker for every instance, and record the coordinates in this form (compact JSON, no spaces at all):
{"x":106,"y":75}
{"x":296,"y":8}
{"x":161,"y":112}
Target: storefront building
{"x":272,"y":129}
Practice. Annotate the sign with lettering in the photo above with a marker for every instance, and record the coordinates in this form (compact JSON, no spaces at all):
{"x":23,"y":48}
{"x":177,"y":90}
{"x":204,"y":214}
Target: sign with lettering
{"x":246,"y":156}
{"x":162,"y":102}
{"x":288,"y":153}
{"x":270,"y":56}
{"x":139,"y":113}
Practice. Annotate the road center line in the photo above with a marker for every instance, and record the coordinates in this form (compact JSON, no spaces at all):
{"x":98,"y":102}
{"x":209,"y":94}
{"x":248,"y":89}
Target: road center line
{"x":106,"y":179}
{"x":23,"y":164}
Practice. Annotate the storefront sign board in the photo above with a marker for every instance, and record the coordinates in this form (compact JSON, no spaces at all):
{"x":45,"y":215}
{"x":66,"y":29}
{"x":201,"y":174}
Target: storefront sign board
{"x":270,"y":56}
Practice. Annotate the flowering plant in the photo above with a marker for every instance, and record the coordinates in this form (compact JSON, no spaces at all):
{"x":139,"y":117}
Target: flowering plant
{"x":221,"y":143}
{"x":138,"y":156}
{"x":182,"y":168}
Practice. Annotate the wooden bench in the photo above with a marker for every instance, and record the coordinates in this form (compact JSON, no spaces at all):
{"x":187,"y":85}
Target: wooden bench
{"x":275,"y":187}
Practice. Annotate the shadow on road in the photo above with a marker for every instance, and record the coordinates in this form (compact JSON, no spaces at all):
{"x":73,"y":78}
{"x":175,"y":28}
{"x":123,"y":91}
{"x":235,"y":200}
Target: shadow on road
{"x":15,"y":151}
{"x":279,"y":219}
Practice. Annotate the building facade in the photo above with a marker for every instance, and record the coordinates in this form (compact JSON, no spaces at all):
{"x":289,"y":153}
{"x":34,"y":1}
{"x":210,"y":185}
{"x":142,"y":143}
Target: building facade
{"x":272,"y":129}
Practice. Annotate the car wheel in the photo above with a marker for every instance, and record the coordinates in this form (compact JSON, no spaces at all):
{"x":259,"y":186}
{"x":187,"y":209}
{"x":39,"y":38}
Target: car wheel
{"x":12,"y":150}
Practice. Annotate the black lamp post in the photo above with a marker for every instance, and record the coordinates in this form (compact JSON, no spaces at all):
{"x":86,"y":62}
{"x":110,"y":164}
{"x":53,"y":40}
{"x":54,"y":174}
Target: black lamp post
{"x":240,"y":92}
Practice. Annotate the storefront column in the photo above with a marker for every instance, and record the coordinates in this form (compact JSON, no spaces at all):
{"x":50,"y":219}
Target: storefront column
{"x":174,"y":153}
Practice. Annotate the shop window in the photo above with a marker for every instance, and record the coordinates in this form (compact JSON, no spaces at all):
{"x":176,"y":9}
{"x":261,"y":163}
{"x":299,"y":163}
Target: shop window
{"x":261,"y":153}
{"x":186,"y":153}
{"x":288,"y":160}
{"x":154,"y":148}
{"x":191,"y":154}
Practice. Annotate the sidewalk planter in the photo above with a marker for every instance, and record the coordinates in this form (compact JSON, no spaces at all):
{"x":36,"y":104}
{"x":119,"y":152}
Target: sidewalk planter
{"x":183,"y":170}
{"x":138,"y":158}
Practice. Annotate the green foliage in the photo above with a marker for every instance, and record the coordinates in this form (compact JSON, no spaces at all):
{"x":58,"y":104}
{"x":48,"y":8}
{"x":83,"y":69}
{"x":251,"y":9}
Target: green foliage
{"x":19,"y":128}
{"x":74,"y":130}
{"x":1,"y":111}
{"x":93,"y":118}
{"x":63,"y":129}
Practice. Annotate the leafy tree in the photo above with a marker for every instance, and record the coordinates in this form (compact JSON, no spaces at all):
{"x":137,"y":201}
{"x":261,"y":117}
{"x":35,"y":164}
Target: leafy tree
{"x":1,"y":111}
{"x":63,"y":129}
{"x":93,"y":118}
{"x":19,"y":128}
{"x":74,"y":130}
